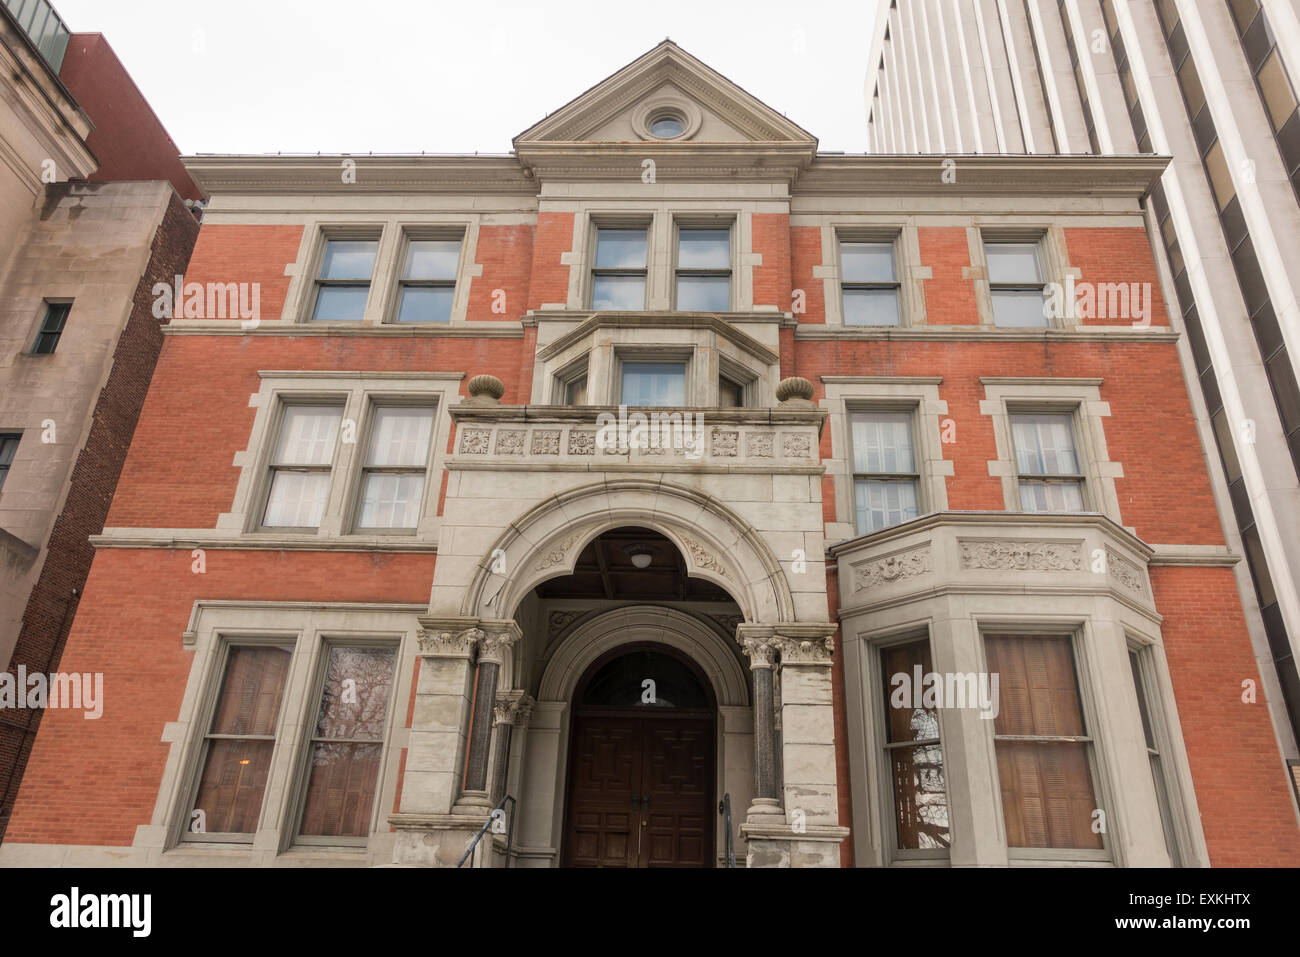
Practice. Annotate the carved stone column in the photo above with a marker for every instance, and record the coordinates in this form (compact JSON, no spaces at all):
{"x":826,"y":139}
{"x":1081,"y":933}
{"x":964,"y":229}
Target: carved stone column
{"x":806,"y":833}
{"x":511,"y":709}
{"x":761,"y":649}
{"x":498,"y":636}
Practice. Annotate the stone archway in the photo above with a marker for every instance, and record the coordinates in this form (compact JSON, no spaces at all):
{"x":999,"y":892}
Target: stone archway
{"x":546,"y":761}
{"x":544,"y":543}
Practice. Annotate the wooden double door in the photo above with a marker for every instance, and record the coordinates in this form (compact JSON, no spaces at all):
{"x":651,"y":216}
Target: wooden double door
{"x":640,"y":791}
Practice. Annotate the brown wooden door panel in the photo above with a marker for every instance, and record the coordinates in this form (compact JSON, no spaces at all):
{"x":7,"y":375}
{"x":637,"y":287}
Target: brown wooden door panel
{"x":641,"y":792}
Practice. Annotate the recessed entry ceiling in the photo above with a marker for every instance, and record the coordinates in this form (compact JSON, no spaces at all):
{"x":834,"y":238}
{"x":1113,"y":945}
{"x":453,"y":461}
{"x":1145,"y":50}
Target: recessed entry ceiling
{"x":605,"y":571}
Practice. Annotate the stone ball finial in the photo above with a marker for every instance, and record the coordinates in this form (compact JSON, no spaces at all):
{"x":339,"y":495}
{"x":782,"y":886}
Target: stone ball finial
{"x":794,"y":388}
{"x":486,"y":388}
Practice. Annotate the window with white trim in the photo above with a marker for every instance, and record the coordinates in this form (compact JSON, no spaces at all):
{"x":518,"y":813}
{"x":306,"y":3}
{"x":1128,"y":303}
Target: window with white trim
{"x":703,"y":275}
{"x":653,"y":384}
{"x":393,"y":473}
{"x":869,"y":285}
{"x":886,"y":480}
{"x":301,"y":464}
{"x":618,"y":278}
{"x":343,"y":284}
{"x":340,"y":776}
{"x":1015,"y":275}
{"x":913,"y":753}
{"x":238,"y":748}
{"x":1153,"y":733}
{"x":427,"y":286}
{"x":1047,"y":462}
{"x":1045,"y":760}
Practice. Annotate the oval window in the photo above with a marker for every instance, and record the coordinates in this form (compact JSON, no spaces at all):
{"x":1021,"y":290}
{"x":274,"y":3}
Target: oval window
{"x":666,"y":126}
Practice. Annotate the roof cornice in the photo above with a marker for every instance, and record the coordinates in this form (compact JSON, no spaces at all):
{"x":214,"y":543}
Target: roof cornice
{"x":277,"y":173}
{"x":807,"y":173}
{"x":982,"y":174}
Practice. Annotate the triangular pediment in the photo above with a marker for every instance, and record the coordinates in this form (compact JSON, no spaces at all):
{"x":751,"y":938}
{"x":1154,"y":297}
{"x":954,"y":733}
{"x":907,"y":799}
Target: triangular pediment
{"x":666,"y":81}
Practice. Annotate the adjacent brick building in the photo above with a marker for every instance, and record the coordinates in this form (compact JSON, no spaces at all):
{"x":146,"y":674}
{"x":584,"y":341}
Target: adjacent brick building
{"x":918,"y":570}
{"x":93,"y":214}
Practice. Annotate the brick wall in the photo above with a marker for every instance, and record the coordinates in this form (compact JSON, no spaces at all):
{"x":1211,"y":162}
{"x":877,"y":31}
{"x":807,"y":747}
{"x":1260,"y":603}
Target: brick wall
{"x":98,"y":466}
{"x":1246,"y":807}
{"x":136,"y":605}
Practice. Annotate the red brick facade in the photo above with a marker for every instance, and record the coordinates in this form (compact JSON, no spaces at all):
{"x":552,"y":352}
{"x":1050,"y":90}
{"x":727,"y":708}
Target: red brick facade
{"x":179,"y":474}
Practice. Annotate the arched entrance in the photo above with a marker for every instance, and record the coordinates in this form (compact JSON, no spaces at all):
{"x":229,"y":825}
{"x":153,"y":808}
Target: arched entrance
{"x":641,"y":763}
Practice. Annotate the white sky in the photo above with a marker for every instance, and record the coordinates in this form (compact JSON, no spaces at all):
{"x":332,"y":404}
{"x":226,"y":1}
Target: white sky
{"x":458,"y":76}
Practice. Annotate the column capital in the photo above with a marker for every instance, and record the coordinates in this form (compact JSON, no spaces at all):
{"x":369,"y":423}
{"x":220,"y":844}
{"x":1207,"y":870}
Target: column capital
{"x":498,"y":635}
{"x":512,"y":708}
{"x":806,"y":643}
{"x":450,"y":643}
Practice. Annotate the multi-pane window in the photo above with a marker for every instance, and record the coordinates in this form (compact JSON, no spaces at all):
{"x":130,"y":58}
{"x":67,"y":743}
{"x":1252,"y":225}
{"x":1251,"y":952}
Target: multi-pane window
{"x":869,"y":284}
{"x":393,"y":473}
{"x":618,"y":277}
{"x":654,"y":383}
{"x":428,"y":283}
{"x":47,"y":338}
{"x":347,"y":743}
{"x":8,"y":448}
{"x":238,"y":747}
{"x":344,"y":282}
{"x":885,"y":476}
{"x":913,"y":752}
{"x":1016,"y":284}
{"x":1047,"y":463}
{"x":1042,"y":745}
{"x":1138,"y":664}
{"x":704,"y":269}
{"x":300,"y":466}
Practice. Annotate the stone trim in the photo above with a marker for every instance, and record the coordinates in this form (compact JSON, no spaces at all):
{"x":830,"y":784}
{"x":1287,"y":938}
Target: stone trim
{"x":920,"y":395}
{"x":360,"y":392}
{"x":1079,"y":397}
{"x":310,"y":627}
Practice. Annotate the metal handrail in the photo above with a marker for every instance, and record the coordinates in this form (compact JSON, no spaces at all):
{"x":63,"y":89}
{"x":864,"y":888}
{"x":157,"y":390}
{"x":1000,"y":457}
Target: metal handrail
{"x":492,"y":816}
{"x":729,"y":843}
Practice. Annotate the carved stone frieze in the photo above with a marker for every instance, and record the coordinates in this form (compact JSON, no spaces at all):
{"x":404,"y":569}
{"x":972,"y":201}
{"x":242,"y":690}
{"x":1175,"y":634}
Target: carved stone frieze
{"x":1006,"y":555}
{"x":891,"y":568}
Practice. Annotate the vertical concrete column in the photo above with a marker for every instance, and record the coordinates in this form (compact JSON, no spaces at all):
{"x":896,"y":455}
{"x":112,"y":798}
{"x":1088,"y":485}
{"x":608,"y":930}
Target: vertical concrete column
{"x":497,"y":638}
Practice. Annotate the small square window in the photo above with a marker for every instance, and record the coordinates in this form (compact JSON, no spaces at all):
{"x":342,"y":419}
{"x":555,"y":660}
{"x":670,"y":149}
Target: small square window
{"x":731,"y":394}
{"x":428,"y":284}
{"x":654,"y":384}
{"x":47,"y":339}
{"x":575,"y":391}
{"x":343,"y":286}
